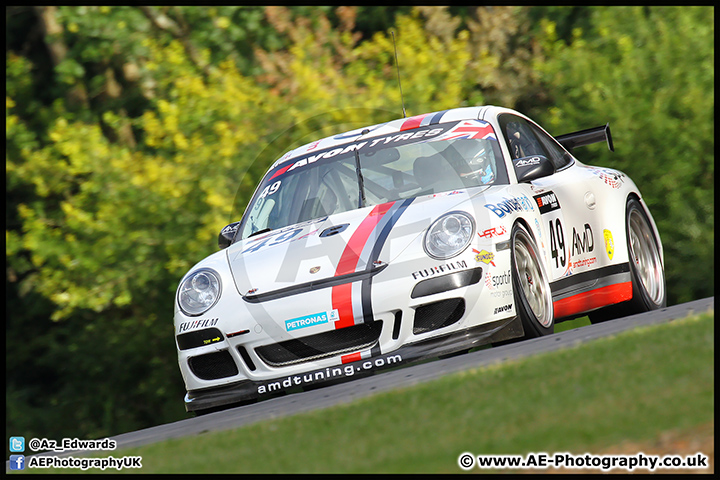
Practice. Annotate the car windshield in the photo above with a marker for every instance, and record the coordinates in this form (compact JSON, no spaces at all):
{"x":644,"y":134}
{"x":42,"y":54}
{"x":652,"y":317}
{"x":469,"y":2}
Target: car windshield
{"x":377,"y":170}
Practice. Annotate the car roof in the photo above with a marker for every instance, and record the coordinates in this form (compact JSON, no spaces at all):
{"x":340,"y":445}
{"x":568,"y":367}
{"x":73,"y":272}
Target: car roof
{"x":393,"y":126}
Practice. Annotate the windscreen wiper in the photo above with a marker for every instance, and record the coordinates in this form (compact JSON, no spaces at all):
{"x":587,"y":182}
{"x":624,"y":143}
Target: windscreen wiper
{"x":361,"y":181}
{"x":259,"y":232}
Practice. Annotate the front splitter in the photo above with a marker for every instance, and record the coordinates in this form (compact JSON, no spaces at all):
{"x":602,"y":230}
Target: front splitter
{"x":249,"y":390}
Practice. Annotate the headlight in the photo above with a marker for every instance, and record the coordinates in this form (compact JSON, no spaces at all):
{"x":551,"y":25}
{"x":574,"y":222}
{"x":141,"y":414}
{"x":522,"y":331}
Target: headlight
{"x":449,"y":235}
{"x":199,"y":291}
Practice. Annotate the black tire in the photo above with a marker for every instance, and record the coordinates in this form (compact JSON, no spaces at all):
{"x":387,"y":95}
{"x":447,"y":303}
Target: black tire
{"x":531,"y":288}
{"x":646,"y":268}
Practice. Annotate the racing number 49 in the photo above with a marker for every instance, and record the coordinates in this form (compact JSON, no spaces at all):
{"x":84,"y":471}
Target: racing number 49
{"x":270,"y":189}
{"x":559,"y":245}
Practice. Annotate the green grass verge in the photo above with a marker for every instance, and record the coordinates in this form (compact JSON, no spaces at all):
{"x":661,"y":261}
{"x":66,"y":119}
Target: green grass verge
{"x":629,"y":387}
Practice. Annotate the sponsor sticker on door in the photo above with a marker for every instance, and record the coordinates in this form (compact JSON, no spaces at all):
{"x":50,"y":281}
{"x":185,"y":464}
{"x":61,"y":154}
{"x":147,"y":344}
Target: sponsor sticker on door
{"x":609,"y":244}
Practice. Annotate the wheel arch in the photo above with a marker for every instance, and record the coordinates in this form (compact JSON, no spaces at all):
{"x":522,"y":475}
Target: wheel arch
{"x":531,"y":327}
{"x":636,"y":195}
{"x":526,"y":224}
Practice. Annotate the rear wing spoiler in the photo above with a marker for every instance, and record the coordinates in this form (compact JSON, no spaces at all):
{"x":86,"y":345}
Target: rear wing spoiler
{"x":586,"y":137}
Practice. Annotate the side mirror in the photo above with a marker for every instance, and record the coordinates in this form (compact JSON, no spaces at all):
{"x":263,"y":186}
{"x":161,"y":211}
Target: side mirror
{"x":533,"y":167}
{"x":227,"y":235}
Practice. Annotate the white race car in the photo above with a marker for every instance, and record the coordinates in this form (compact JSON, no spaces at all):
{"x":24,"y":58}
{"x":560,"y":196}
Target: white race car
{"x":417,"y":238}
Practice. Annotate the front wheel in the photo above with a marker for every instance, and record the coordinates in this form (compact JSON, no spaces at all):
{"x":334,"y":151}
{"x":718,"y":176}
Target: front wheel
{"x":531,"y":288}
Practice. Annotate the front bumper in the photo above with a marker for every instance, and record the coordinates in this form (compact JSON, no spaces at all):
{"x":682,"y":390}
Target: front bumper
{"x":248,"y":390}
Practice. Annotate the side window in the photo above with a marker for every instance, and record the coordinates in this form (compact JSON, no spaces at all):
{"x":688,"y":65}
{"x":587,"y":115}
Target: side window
{"x":559,"y":156}
{"x":521,"y":140}
{"x":525,"y":139}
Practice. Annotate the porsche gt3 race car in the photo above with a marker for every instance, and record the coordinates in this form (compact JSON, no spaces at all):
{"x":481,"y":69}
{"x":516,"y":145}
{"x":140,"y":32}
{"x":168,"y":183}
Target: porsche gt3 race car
{"x":417,"y":238}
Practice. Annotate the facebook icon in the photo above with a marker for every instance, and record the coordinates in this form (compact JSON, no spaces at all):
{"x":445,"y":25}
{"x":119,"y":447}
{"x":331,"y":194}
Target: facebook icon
{"x":17,"y":462}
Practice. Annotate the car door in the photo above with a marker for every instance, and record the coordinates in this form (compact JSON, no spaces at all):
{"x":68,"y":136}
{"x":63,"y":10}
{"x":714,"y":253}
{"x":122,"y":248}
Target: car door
{"x":567,"y":221}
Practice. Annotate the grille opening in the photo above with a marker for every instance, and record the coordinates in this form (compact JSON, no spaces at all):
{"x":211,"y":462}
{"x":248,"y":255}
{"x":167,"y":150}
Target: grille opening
{"x":438,"y":315}
{"x":213,"y":365}
{"x":326,"y":344}
{"x":246,"y":358}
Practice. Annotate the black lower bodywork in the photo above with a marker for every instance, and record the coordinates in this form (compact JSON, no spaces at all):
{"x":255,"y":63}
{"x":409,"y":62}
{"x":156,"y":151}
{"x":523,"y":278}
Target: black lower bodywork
{"x":246,"y":391}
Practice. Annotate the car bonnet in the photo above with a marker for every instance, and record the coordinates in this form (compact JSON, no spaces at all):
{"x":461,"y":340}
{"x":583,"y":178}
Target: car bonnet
{"x":344,"y":244}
